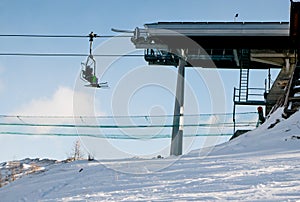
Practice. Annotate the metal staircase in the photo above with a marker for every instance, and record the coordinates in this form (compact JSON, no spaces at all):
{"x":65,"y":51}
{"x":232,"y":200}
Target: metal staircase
{"x":245,"y":95}
{"x":292,"y":99}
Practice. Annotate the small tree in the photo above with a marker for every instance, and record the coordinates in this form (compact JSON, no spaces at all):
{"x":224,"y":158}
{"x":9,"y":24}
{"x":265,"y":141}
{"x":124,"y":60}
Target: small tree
{"x":77,"y":153}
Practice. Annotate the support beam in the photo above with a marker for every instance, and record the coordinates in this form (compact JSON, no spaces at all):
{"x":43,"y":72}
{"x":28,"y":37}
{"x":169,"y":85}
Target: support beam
{"x":295,"y":24}
{"x":177,"y":131}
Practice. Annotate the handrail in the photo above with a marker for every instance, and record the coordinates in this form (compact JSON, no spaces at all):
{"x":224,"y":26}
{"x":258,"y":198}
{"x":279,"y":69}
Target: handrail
{"x":236,"y":95}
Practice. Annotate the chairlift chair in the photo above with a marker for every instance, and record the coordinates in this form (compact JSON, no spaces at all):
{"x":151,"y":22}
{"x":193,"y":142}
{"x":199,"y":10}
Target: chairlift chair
{"x":88,"y":72}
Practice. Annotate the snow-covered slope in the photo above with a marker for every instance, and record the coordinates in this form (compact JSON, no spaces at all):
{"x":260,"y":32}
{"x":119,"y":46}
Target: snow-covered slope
{"x":274,"y":136}
{"x":262,"y":165}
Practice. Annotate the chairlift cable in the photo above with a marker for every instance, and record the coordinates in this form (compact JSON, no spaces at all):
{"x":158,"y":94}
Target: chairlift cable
{"x":60,"y":36}
{"x":107,"y":136}
{"x":68,"y":55}
{"x":206,"y":125}
{"x":118,"y":116}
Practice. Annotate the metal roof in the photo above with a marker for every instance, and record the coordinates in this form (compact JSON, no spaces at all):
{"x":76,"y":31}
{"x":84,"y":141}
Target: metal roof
{"x":220,"y":35}
{"x":220,"y":28}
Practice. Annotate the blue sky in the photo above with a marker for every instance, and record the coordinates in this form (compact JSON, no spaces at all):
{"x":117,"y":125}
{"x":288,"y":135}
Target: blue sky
{"x":45,"y":85}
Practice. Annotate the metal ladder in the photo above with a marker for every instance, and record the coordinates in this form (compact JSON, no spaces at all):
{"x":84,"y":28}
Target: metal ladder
{"x":244,"y":75}
{"x":244,"y":84}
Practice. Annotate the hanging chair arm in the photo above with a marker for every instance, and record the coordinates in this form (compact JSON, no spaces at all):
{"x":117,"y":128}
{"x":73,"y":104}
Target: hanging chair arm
{"x":92,"y":35}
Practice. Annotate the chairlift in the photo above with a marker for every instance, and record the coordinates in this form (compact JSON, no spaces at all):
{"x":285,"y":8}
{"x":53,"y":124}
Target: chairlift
{"x":88,"y":72}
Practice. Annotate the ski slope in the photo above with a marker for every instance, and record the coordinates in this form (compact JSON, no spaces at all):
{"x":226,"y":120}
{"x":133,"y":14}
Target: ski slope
{"x":262,"y":165}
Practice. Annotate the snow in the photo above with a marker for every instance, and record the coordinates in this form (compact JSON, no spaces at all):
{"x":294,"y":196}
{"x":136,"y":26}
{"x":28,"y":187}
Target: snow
{"x":262,"y":165}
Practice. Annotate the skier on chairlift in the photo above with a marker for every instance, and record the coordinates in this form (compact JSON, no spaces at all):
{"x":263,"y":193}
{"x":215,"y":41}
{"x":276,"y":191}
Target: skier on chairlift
{"x":89,"y":68}
{"x":88,"y":74}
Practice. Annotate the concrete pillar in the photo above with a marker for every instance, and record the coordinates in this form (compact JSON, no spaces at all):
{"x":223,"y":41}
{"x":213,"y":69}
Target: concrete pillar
{"x":177,"y":131}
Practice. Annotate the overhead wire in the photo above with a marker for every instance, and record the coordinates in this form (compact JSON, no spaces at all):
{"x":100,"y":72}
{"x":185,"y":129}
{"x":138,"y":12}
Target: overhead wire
{"x":124,"y":126}
{"x":65,"y":54}
{"x":110,"y":136}
{"x":33,"y":121}
{"x":68,"y":55}
{"x":120,"y":116}
{"x":60,"y":36}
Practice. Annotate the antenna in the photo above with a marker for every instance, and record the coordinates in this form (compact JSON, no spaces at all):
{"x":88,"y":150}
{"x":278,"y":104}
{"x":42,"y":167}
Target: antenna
{"x":236,"y":16}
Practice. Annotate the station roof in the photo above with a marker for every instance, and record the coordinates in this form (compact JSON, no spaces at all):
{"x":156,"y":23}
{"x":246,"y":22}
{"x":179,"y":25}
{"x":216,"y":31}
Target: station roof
{"x":224,"y":28}
{"x":252,"y":35}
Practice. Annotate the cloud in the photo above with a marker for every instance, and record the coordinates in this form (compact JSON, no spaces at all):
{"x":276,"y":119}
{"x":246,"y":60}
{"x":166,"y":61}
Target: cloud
{"x":64,"y":102}
{"x":61,"y":103}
